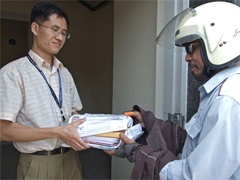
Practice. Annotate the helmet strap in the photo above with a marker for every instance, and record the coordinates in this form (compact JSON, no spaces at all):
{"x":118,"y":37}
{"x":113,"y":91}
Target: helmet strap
{"x":208,"y":72}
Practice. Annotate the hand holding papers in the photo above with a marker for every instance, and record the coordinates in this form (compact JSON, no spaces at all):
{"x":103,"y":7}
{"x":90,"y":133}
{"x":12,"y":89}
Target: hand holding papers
{"x":108,"y":143}
{"x":101,"y":123}
{"x":93,"y":129}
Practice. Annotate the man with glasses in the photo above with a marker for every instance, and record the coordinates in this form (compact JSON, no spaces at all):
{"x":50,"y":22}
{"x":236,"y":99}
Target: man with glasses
{"x":38,"y":95}
{"x":211,"y":37}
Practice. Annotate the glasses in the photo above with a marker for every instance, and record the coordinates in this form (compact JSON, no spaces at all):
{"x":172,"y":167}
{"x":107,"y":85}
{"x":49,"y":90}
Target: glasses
{"x":56,"y":30}
{"x":190,"y":48}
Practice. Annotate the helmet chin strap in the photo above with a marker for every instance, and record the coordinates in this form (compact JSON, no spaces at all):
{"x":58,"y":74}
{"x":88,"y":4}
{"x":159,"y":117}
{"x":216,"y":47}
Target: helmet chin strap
{"x":208,"y":72}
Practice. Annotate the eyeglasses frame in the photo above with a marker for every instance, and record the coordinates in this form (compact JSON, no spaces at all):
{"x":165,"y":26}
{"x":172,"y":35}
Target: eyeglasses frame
{"x":63,"y":33}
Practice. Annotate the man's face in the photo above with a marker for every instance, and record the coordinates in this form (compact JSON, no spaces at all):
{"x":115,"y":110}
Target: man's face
{"x":194,"y":59}
{"x":50,"y":34}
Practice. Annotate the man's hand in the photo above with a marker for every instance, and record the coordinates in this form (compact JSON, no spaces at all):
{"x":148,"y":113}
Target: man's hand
{"x":135,"y":115}
{"x":109,"y":152}
{"x":125,"y":139}
{"x":71,"y":137}
{"x":12,"y":131}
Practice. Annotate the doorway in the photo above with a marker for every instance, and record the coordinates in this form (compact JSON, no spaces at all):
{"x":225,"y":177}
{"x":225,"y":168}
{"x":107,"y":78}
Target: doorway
{"x":14,"y":44}
{"x":14,"y":40}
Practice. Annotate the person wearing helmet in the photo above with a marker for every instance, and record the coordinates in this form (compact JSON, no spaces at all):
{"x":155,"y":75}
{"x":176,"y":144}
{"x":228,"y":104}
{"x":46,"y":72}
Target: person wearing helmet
{"x":210,"y":35}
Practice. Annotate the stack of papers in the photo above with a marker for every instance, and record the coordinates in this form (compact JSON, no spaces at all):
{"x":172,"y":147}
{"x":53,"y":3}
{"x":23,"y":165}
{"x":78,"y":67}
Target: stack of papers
{"x":96,"y":124}
{"x":108,"y":143}
{"x":101,"y":123}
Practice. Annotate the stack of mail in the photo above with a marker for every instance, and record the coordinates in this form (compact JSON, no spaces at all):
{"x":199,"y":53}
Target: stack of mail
{"x":109,"y":143}
{"x":93,"y":129}
{"x":101,"y":123}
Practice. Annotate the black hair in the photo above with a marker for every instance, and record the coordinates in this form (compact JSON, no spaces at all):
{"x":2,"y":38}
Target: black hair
{"x":41,"y":12}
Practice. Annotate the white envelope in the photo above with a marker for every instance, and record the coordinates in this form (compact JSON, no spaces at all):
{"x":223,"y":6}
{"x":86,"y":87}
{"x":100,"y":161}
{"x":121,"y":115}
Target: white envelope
{"x":101,"y":123}
{"x":104,"y":123}
{"x":113,"y":143}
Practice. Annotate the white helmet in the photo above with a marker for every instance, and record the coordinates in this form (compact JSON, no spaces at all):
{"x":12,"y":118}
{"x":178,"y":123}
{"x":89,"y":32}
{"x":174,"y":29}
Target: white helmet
{"x":217,"y":26}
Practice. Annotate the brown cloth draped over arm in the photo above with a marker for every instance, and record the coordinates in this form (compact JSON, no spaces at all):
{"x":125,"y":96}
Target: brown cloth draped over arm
{"x":162,"y":143}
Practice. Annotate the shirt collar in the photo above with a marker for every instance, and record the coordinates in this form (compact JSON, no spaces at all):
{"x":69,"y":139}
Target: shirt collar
{"x":42,"y":63}
{"x":219,"y":78}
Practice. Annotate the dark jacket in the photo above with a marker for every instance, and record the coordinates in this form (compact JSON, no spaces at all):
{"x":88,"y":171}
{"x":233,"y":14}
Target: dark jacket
{"x":161,"y":142}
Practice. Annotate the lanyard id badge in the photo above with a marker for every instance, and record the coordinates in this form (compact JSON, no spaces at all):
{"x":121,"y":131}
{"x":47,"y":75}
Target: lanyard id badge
{"x":59,"y":102}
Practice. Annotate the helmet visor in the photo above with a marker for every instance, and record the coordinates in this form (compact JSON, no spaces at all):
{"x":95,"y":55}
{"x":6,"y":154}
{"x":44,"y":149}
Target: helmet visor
{"x":166,"y":37}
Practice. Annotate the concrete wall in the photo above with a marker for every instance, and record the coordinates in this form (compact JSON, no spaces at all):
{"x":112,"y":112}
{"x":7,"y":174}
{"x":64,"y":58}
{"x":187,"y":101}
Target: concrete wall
{"x":134,"y":63}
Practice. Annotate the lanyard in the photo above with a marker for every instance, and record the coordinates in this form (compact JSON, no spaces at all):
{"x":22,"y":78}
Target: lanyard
{"x":59,"y":102}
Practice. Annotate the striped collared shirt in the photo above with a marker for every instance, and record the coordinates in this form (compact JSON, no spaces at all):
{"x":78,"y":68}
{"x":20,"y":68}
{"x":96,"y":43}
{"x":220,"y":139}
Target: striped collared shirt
{"x":27,"y":99}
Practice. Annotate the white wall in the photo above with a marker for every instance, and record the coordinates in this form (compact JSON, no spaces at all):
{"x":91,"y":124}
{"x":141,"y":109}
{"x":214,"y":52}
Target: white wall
{"x":134,"y":54}
{"x":143,"y":73}
{"x":134,"y":63}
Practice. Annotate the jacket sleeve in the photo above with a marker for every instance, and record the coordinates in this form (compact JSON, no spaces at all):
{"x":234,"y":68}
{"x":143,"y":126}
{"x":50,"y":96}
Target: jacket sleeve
{"x":164,"y":141}
{"x":149,"y":161}
{"x":162,"y":134}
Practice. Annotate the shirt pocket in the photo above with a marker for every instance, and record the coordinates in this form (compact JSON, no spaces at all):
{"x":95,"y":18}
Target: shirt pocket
{"x":193,"y":127}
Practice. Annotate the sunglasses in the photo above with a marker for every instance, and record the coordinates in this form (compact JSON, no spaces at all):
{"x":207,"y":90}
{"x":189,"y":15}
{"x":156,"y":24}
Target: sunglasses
{"x":190,"y":48}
